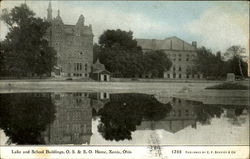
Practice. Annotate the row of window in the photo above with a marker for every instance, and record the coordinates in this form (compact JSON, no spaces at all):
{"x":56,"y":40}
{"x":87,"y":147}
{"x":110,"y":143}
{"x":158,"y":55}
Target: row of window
{"x":179,"y":113}
{"x":174,"y":59}
{"x":78,"y":66}
{"x":180,"y":76}
{"x":180,"y":55}
{"x":76,"y":128}
{"x":79,"y":74}
{"x":180,"y":68}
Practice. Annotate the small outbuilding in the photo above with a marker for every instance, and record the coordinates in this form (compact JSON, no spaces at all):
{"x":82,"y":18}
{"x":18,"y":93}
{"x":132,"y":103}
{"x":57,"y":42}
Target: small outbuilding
{"x":99,"y":73}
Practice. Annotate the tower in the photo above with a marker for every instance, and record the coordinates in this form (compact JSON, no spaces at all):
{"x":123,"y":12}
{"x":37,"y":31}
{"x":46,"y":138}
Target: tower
{"x":49,"y":12}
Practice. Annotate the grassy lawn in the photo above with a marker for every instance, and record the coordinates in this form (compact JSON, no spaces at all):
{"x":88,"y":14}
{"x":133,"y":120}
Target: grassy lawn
{"x":229,"y":86}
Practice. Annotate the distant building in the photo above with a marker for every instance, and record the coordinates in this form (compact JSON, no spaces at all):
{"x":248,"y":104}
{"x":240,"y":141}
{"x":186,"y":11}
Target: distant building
{"x":74,"y":45}
{"x":179,"y":52}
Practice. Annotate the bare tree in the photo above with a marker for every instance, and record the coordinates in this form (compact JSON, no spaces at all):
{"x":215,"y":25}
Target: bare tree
{"x":238,"y":52}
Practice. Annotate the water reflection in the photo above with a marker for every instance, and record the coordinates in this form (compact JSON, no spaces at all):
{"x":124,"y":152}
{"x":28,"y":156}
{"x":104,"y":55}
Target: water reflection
{"x":23,"y":117}
{"x":87,"y":118}
{"x":121,"y":115}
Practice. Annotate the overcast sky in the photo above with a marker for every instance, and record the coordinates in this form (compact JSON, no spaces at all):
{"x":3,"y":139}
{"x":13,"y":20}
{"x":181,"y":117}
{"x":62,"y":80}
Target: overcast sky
{"x":216,"y":25}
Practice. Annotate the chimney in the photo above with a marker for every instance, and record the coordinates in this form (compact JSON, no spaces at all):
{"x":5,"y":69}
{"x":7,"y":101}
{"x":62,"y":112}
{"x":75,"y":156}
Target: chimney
{"x":194,"y":44}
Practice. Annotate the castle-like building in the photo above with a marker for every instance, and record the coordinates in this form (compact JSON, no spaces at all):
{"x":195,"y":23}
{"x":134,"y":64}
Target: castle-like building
{"x":181,"y":53}
{"x":73,"y":43}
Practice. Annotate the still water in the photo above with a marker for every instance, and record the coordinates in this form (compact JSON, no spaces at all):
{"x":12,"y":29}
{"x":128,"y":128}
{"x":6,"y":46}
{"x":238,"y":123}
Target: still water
{"x":118,"y":119}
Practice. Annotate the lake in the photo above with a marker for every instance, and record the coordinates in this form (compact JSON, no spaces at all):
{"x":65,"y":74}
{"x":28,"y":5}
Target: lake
{"x":101,"y":118}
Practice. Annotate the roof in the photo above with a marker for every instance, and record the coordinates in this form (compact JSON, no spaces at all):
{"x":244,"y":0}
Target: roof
{"x":102,"y":71}
{"x":170,"y":43}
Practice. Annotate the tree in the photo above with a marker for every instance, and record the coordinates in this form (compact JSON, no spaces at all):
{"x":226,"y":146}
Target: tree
{"x":237,"y":52}
{"x":120,"y":54}
{"x":25,"y":51}
{"x":24,"y":117}
{"x":233,"y":66}
{"x":156,"y":62}
{"x":209,"y":64}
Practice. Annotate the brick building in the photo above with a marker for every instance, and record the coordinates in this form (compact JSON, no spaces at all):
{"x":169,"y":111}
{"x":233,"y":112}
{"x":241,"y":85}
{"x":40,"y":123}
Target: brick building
{"x":73,"y":43}
{"x":179,"y":52}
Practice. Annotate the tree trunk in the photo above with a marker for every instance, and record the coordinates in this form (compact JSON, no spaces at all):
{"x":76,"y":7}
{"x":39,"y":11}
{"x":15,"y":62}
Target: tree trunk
{"x":241,"y":73}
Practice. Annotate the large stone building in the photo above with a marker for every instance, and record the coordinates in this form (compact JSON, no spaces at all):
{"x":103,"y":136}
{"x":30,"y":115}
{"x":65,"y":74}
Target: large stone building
{"x":179,"y":52}
{"x":73,"y":43}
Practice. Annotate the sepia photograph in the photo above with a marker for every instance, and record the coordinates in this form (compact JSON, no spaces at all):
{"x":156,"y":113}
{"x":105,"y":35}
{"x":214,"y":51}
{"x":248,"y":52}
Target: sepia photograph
{"x":124,"y":79}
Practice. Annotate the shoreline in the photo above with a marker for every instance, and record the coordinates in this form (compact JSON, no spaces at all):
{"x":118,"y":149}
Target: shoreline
{"x":194,"y":90}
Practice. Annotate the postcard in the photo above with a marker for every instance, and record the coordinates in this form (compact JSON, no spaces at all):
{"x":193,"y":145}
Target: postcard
{"x":124,"y":79}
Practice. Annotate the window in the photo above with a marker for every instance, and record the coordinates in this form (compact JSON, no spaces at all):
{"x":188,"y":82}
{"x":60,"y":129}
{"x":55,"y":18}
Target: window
{"x":180,"y":68}
{"x":86,"y":67}
{"x":168,"y":75}
{"x":173,"y":68}
{"x":187,"y":112}
{"x":174,"y":75}
{"x":179,"y":59}
{"x":179,"y":75}
{"x":174,"y":113}
{"x":80,"y":66}
{"x":187,"y":59}
{"x":74,"y":67}
{"x":179,"y":113}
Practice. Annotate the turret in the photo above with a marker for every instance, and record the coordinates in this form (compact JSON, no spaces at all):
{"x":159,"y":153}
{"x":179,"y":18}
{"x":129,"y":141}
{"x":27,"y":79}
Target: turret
{"x":49,"y":12}
{"x":80,"y":21}
{"x":58,"y":18}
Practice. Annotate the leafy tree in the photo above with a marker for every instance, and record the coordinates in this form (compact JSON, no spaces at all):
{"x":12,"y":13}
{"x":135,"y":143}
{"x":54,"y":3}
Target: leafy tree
{"x":120,"y":54}
{"x":156,"y":62}
{"x":23,"y":117}
{"x":209,"y":64}
{"x":25,"y":51}
{"x":236,"y":53}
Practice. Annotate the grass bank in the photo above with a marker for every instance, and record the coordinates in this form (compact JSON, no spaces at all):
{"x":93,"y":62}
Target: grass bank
{"x":229,"y":86}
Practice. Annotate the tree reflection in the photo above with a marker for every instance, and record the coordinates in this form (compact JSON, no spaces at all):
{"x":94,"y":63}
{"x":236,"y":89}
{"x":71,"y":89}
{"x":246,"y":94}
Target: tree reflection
{"x":205,"y":113}
{"x":121,"y":115}
{"x":24,"y":116}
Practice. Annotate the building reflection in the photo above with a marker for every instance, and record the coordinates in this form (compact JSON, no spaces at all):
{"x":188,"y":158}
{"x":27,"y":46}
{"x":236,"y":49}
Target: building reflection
{"x":66,"y":118}
{"x":181,"y":116}
{"x":185,"y":113}
{"x":74,"y":113}
{"x":124,"y":112}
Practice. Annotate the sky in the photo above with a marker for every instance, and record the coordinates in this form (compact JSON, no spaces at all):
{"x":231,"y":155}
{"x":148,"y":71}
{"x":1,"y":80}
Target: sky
{"x":214,"y":24}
